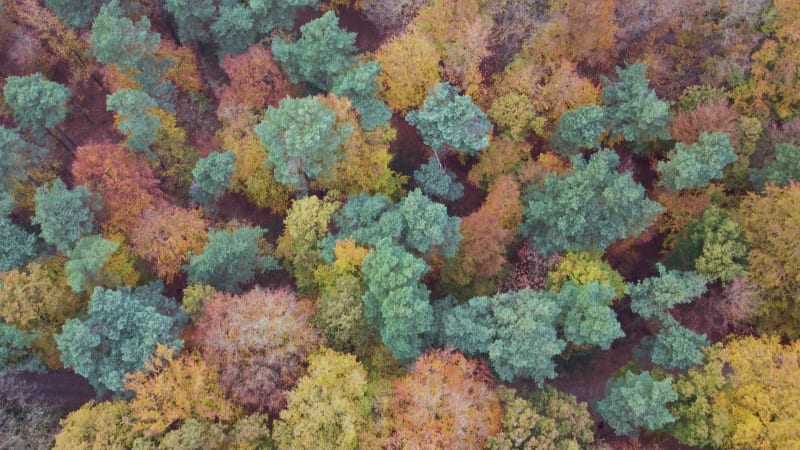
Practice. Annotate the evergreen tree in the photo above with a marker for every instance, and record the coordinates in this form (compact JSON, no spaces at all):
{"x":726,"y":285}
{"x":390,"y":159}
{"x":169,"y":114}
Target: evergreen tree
{"x":86,"y":261}
{"x":323,"y":51}
{"x":302,"y":139}
{"x":652,"y":297}
{"x":361,"y":86}
{"x":16,"y":155}
{"x":437,"y":182}
{"x":38,"y":104}
{"x":782,"y":169}
{"x":64,"y":215}
{"x":119,"y":334}
{"x":211,"y":178}
{"x":234,"y":29}
{"x":676,"y":347}
{"x":229,"y":259}
{"x":637,"y":401}
{"x":193,"y":17}
{"x":134,"y":118}
{"x":633,"y":110}
{"x":578,"y":129}
{"x":75,"y":13}
{"x":697,"y":165}
{"x":591,"y":206}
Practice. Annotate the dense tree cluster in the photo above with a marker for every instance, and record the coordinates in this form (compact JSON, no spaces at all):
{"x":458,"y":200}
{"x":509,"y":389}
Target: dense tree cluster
{"x":304,"y":224}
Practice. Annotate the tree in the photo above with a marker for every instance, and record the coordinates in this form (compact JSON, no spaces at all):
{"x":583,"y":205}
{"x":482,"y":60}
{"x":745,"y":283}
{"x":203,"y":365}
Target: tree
{"x":427,"y":226}
{"x":781,"y":170}
{"x":677,"y":347}
{"x":132,"y":48}
{"x":125,"y":182}
{"x":166,"y":235}
{"x":515,"y":116}
{"x":27,"y":419}
{"x":445,"y":401}
{"x":256,"y":80}
{"x":698,"y":165}
{"x":637,"y":401}
{"x":133,"y":117}
{"x":396,"y":300}
{"x":331,"y":406}
{"x":305,"y":225}
{"x":323,"y":51}
{"x":86,"y":262}
{"x":16,"y":155}
{"x":20,"y":246}
{"x":588,"y":319}
{"x":771,"y":222}
{"x":652,"y":297}
{"x":193,"y":434}
{"x":212,"y":177}
{"x":409,"y":69}
{"x":591,"y":206}
{"x":64,"y":215}
{"x":259,"y":341}
{"x":193,"y":18}
{"x":713,"y":245}
{"x":549,"y":420}
{"x":340,"y":310}
{"x":38,"y":300}
{"x":516,"y":329}
{"x":437,"y":182}
{"x":38,"y":104}
{"x":581,"y":268}
{"x":171,"y":390}
{"x":15,"y":351}
{"x":234,"y":29}
{"x":480,"y":261}
{"x":360,"y":85}
{"x":449,"y":121}
{"x":271,"y":14}
{"x":230,"y":258}
{"x":633,"y":110}
{"x":78,"y":14}
{"x":106,"y":424}
{"x":578,"y":129}
{"x":303,"y":140}
{"x":95,"y":347}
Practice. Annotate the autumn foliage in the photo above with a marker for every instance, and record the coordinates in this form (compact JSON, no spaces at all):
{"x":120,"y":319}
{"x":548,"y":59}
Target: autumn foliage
{"x":445,"y":402}
{"x":259,"y":340}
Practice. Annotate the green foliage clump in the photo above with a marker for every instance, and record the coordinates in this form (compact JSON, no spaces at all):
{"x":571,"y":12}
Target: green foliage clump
{"x":633,"y":110}
{"x":438,"y":182}
{"x":194,"y":434}
{"x":652,"y":297}
{"x":697,"y":165}
{"x":396,"y":300}
{"x":361,"y":86}
{"x":516,"y":329}
{"x":779,"y":171}
{"x":589,"y":207}
{"x":64,"y":215}
{"x":119,"y":333}
{"x":234,"y":29}
{"x":211,"y":177}
{"x":15,"y":351}
{"x":714,"y":246}
{"x":677,"y":347}
{"x":193,"y":17}
{"x":416,"y":222}
{"x":302,"y":139}
{"x":86,"y":261}
{"x":578,"y":129}
{"x":323,"y":51}
{"x":449,"y":121}
{"x":589,"y":319}
{"x":229,"y":259}
{"x":38,"y":104}
{"x":16,"y":155}
{"x":19,"y":246}
{"x":134,"y":117}
{"x":637,"y":401}
{"x":549,"y":419}
{"x":75,"y":13}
